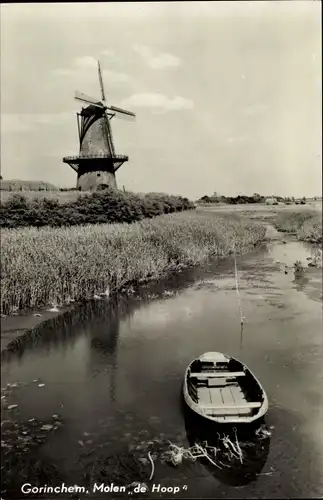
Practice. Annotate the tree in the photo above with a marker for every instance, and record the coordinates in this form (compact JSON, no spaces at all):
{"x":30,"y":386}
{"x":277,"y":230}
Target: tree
{"x":257,"y":197}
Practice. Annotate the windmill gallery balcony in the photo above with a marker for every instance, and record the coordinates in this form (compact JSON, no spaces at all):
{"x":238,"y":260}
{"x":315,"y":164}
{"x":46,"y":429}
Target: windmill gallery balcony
{"x":77,"y":159}
{"x":114,"y":161}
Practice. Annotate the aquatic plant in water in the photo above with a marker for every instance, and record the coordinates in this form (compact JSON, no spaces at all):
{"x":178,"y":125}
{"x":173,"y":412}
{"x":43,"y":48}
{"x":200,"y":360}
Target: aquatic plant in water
{"x":298,"y":267}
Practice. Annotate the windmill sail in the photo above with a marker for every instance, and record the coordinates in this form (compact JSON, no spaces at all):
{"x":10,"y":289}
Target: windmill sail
{"x":119,"y":116}
{"x":109,"y":134}
{"x":101,"y":82}
{"x":90,"y":100}
{"x":122,"y":111}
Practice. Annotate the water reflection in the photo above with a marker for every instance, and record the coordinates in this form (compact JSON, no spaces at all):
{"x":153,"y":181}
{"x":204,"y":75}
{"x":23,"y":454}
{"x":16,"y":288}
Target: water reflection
{"x":61,"y":332}
{"x":300,"y":281}
{"x":104,"y":346}
{"x":230,"y":471}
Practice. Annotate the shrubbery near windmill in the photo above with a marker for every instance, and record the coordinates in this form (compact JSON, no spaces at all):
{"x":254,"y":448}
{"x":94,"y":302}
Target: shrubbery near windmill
{"x":98,"y":207}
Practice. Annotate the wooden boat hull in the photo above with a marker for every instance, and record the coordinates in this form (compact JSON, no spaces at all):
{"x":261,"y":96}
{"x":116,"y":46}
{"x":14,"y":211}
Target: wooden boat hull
{"x":211,"y":427}
{"x":226,"y":392}
{"x":255,"y":448}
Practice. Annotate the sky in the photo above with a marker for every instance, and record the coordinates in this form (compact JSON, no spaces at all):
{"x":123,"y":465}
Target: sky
{"x":227,"y":95}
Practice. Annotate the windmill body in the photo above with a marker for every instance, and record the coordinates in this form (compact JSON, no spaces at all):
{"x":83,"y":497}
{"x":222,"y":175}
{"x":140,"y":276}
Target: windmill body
{"x":97,"y":161}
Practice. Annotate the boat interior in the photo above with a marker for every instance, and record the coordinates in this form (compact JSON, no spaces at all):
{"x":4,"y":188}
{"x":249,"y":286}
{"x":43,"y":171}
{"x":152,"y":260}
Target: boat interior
{"x":224,"y":388}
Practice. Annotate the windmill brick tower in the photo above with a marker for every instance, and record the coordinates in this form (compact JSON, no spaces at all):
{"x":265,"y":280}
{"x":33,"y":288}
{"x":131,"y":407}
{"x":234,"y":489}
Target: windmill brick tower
{"x":97,"y":161}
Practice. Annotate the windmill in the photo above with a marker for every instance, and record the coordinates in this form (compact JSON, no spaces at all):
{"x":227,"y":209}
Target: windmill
{"x":97,"y":162}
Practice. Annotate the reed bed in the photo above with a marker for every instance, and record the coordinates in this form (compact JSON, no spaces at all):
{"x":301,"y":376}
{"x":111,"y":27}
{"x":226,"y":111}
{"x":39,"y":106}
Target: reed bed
{"x":54,"y":266}
{"x":307,"y":226}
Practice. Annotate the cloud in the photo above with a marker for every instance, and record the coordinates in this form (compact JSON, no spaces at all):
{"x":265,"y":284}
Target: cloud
{"x":86,"y":62}
{"x":236,"y":140}
{"x":164,"y":61}
{"x":115,"y":76}
{"x":255,"y":109}
{"x":62,"y":72}
{"x":50,"y":119}
{"x":17,"y":123}
{"x":160,"y":61}
{"x":86,"y":67}
{"x":108,"y":53}
{"x":142,"y":50}
{"x":11,"y":123}
{"x":158,"y":102}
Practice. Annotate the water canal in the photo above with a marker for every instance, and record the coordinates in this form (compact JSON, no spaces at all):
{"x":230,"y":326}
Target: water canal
{"x":112,"y":372}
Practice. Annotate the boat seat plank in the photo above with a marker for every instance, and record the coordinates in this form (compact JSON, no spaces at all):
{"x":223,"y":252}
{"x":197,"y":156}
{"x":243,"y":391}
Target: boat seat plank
{"x":228,"y":401}
{"x":239,"y":399}
{"x":217,"y":374}
{"x":216,"y":401}
{"x":219,"y":382}
{"x":203,"y":395}
{"x":210,"y":399}
{"x":231,"y":407}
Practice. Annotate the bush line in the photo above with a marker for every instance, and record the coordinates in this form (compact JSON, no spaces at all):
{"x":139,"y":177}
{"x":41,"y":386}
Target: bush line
{"x":98,"y":207}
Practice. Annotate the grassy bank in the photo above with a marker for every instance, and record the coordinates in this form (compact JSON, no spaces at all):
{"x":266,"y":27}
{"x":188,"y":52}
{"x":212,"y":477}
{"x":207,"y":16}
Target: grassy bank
{"x":92,"y":208}
{"x":60,"y":196}
{"x":55,"y":266}
{"x":307,"y":226}
{"x":9,"y":186}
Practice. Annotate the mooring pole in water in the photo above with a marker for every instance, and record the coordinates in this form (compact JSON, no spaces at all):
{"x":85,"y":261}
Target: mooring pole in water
{"x":239,"y":299}
{"x":241,"y":335}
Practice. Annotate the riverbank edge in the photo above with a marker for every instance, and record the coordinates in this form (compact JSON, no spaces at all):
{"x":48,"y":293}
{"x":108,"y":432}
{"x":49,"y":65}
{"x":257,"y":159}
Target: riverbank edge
{"x":17,"y":325}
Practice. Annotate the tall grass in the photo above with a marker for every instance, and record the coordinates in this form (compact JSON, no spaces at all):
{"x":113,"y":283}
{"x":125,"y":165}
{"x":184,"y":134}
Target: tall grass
{"x":307,"y":226}
{"x":56,"y":265}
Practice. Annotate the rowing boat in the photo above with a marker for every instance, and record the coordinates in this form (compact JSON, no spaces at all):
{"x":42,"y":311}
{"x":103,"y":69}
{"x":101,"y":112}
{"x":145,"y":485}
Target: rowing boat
{"x":223,"y":390}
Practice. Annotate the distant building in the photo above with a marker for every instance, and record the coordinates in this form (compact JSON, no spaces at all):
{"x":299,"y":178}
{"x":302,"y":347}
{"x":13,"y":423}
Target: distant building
{"x":271,"y":201}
